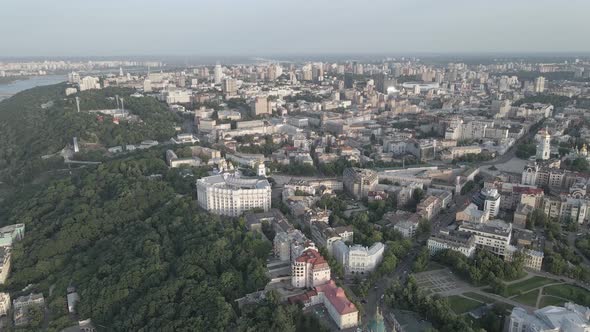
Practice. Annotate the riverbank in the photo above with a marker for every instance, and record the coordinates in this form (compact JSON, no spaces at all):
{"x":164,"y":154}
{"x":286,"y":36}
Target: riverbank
{"x":11,"y":79}
{"x":21,"y":83}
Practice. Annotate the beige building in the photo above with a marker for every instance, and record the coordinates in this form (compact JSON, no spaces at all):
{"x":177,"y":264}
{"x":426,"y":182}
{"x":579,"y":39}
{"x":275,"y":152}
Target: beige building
{"x":5,"y":258}
{"x":359,"y":181}
{"x":4,"y":304}
{"x":260,"y":106}
{"x":309,"y":270}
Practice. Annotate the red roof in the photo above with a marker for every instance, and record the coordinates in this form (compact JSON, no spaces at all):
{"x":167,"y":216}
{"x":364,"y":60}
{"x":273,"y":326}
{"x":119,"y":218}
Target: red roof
{"x":337,"y":298}
{"x":527,"y":190}
{"x":311,"y":256}
{"x":302,"y":298}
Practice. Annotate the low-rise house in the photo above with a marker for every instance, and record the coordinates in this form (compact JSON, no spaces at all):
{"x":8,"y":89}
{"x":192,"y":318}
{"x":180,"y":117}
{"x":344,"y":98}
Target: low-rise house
{"x":343,"y":312}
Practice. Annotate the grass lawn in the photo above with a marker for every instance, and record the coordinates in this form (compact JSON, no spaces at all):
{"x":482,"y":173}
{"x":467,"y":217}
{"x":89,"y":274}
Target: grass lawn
{"x":529,"y":298}
{"x":569,"y":292}
{"x":461,"y":304}
{"x":528,"y":284}
{"x":551,"y":300}
{"x":479,"y":297}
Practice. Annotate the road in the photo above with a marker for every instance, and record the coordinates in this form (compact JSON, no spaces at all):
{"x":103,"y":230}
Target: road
{"x":404,"y":266}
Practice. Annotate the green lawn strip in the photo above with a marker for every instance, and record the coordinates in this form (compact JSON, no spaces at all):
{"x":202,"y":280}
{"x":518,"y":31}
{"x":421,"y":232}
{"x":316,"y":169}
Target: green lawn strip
{"x":479,"y":297}
{"x":461,"y":304}
{"x":527,"y":285}
{"x":569,"y":292}
{"x":529,"y":298}
{"x":547,"y":300}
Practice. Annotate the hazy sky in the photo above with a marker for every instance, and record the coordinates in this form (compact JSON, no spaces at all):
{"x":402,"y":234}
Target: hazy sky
{"x":260,"y":27}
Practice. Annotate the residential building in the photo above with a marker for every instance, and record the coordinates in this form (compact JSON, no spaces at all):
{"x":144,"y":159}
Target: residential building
{"x":488,"y":200}
{"x":493,"y":236}
{"x":359,"y":182}
{"x":540,"y":84}
{"x":408,"y":227}
{"x":230,"y":87}
{"x":4,"y":304}
{"x":260,"y":106}
{"x":289,"y":245}
{"x":325,"y":236}
{"x":231,"y":194}
{"x":462,"y":242}
{"x":429,"y":207}
{"x":472,"y":213}
{"x":543,"y":144}
{"x":309,"y":270}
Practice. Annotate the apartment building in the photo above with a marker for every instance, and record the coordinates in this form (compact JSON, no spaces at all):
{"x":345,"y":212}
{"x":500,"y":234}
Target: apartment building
{"x":310,"y":269}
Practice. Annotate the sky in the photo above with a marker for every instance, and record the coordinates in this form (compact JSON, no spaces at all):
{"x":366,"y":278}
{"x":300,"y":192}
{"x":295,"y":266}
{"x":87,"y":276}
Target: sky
{"x":275,"y":27}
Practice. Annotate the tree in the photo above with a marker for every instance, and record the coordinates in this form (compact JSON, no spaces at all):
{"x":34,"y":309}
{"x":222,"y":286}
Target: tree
{"x":424,"y":228}
{"x":580,"y":165}
{"x":525,"y":151}
{"x":421,"y":261}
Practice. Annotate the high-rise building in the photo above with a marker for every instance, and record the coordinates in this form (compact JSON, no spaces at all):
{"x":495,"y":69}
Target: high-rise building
{"x":540,"y":84}
{"x":491,"y":203}
{"x":307,"y":72}
{"x":217,"y":74}
{"x":543,"y":144}
{"x":260,"y":106}
{"x":310,"y":270}
{"x":230,"y":87}
{"x":348,"y":80}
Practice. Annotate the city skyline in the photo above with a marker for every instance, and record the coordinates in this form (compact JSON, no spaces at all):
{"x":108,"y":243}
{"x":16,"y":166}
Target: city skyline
{"x":110,"y":28}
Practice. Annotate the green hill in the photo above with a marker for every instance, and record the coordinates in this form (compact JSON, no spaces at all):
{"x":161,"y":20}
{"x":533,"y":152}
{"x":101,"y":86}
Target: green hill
{"x":29,"y":131}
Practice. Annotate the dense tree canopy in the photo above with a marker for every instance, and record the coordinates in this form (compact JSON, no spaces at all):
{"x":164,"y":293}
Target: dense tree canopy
{"x":41,"y":121}
{"x":140,"y":254}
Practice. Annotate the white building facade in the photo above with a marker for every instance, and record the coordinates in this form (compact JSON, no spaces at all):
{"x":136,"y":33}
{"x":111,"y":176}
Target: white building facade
{"x":232,"y":195}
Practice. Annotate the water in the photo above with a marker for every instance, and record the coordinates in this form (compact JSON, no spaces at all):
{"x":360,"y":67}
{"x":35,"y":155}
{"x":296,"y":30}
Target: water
{"x":7,"y":90}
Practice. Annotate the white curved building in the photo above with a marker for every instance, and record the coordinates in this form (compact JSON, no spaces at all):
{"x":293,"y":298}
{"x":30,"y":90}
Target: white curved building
{"x":232,"y":195}
{"x":423,"y":86}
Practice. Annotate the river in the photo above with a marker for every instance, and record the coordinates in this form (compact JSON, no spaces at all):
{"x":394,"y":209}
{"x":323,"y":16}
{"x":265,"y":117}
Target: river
{"x":7,"y":90}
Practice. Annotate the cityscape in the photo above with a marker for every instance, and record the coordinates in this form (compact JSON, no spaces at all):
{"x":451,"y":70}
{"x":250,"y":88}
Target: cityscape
{"x":296,"y":187}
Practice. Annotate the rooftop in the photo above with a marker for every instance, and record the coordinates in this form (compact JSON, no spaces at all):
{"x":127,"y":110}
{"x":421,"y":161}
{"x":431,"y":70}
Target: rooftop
{"x":235,"y":182}
{"x":337,"y":298}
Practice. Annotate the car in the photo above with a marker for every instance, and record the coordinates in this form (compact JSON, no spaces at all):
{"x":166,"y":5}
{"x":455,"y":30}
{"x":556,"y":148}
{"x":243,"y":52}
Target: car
{"x":363,"y":301}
